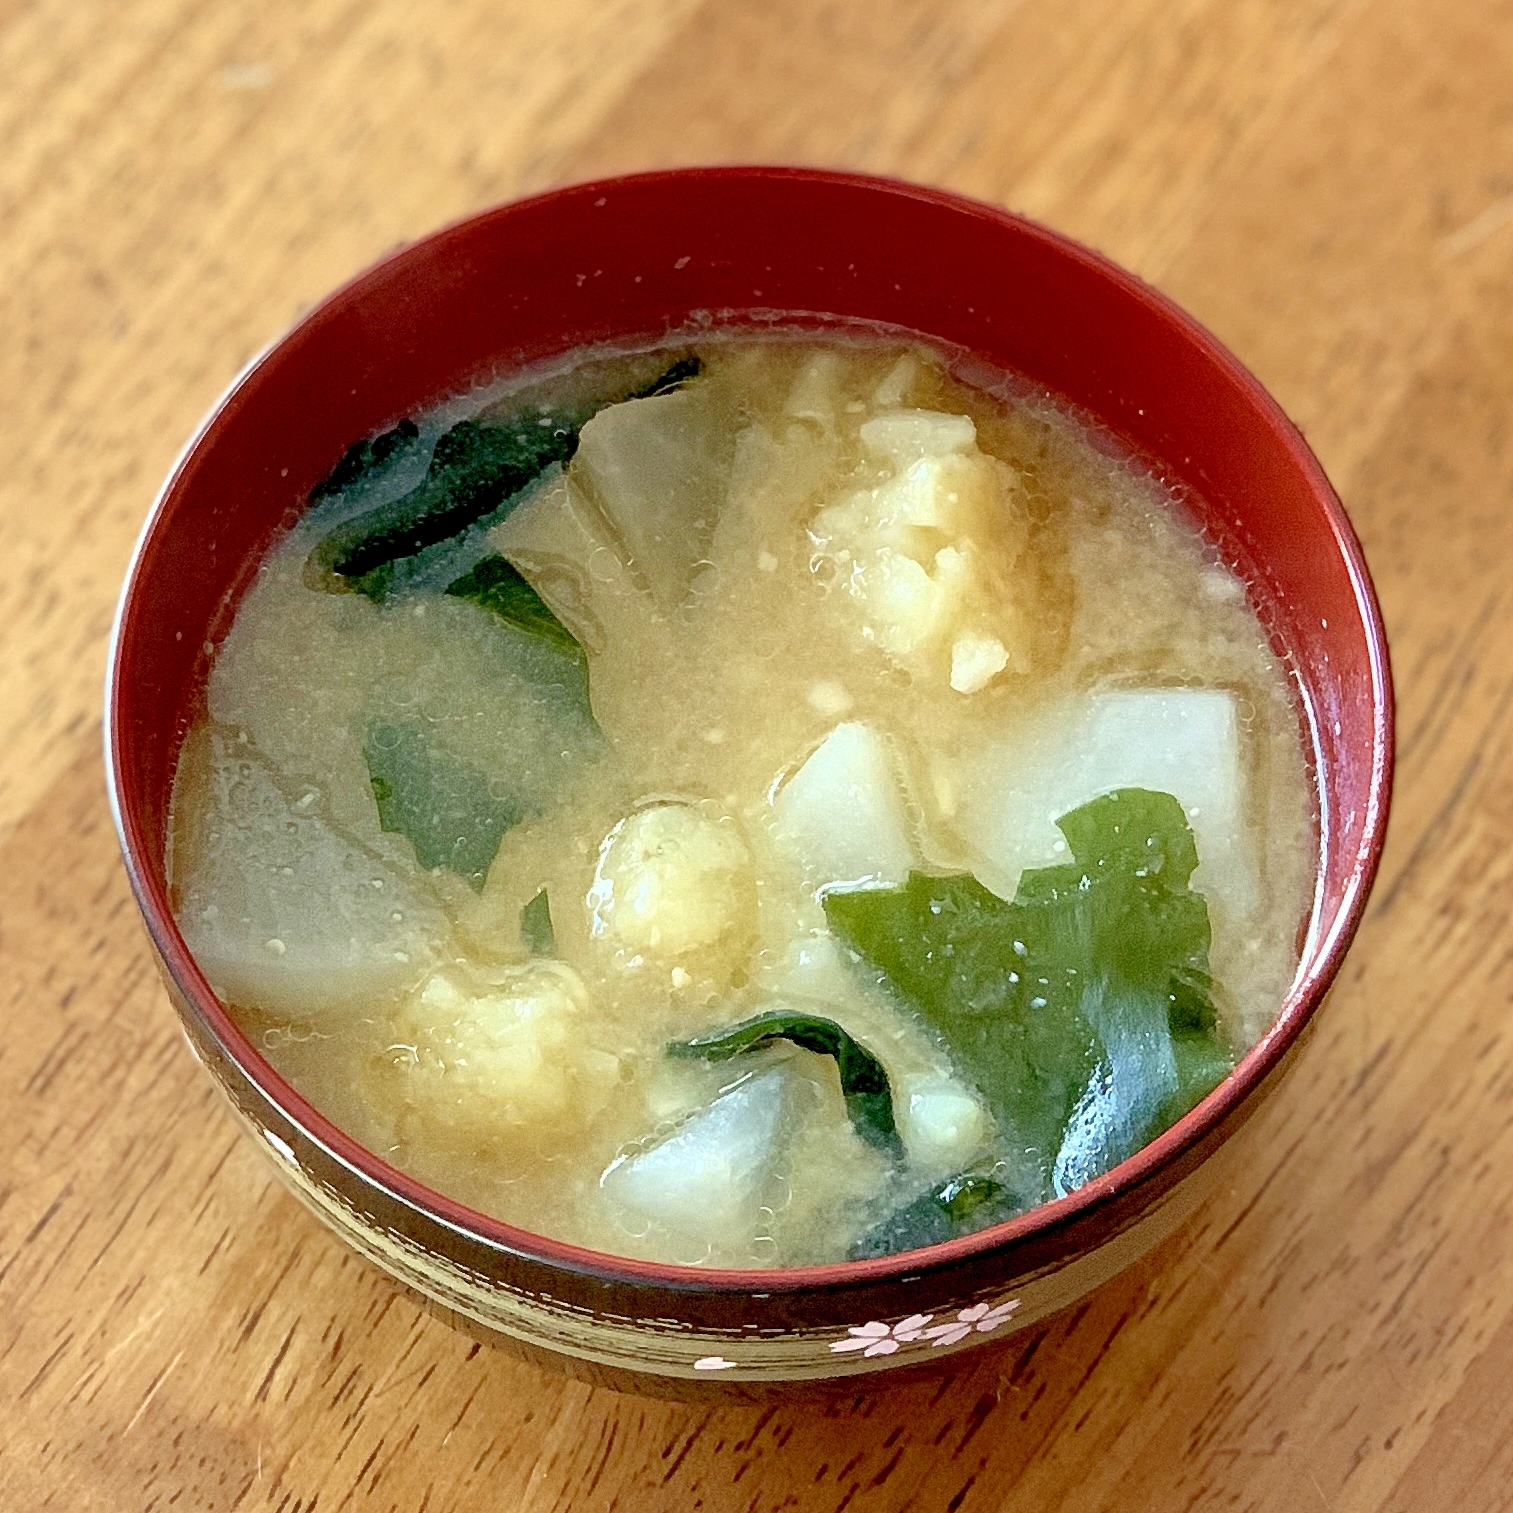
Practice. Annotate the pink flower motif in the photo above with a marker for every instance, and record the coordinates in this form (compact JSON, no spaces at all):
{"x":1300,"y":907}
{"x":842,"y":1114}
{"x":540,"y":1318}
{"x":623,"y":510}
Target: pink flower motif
{"x":980,"y":1316}
{"x":876,"y":1338}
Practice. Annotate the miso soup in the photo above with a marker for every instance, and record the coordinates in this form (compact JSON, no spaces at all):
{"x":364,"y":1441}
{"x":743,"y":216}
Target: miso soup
{"x":757,"y":801}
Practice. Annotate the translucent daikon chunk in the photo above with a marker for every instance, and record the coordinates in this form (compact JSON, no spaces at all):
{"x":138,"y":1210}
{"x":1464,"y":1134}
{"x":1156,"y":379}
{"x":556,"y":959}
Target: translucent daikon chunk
{"x":941,"y":1123}
{"x":1011,"y":787}
{"x":659,"y":469}
{"x":558,"y":541}
{"x":700,"y":1187}
{"x":842,"y":815}
{"x":816,"y":393}
{"x":286,"y":914}
{"x":907,"y":435}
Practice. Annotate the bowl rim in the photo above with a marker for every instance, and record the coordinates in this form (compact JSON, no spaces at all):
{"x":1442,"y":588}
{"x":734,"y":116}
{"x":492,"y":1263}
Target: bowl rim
{"x":1322,"y":953}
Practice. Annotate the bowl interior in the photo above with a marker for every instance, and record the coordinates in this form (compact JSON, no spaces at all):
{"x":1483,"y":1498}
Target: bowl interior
{"x":640,"y":256}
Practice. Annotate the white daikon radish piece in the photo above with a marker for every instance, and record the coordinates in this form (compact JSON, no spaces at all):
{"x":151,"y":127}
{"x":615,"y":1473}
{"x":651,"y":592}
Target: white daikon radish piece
{"x":812,"y":967}
{"x":905,"y":436}
{"x":288,"y":915}
{"x":815,"y":395}
{"x":941,"y":1124}
{"x":659,"y":469}
{"x":1010,"y":789}
{"x":557,"y":540}
{"x":842,"y":815}
{"x":900,"y":379}
{"x":702,"y":1185}
{"x":775,"y":477}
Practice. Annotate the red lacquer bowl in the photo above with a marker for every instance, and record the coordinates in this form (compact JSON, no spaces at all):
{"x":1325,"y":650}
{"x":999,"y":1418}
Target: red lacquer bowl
{"x":637,"y":256}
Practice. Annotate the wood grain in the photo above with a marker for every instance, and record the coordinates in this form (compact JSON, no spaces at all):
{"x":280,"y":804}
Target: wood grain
{"x":1328,"y":184}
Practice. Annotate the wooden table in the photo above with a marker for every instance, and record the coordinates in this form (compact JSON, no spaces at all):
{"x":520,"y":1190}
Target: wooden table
{"x":1328,"y":184}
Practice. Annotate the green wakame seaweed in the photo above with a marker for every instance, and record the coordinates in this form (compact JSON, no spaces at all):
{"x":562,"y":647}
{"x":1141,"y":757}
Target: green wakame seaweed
{"x":475,"y":471}
{"x":439,"y":803}
{"x":536,"y":933}
{"x":496,"y":586}
{"x":961,"y":1206}
{"x":1094,"y":976}
{"x":864,"y":1083}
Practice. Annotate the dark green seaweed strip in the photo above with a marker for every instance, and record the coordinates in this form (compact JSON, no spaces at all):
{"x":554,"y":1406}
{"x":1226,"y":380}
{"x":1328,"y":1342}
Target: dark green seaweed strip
{"x":365,"y":458}
{"x":674,"y":378}
{"x":495,"y":585}
{"x":1009,"y":985}
{"x":439,"y":803}
{"x":864,"y":1083}
{"x":960,"y":957}
{"x":474,"y":471}
{"x":961,"y":1206}
{"x":536,"y":933}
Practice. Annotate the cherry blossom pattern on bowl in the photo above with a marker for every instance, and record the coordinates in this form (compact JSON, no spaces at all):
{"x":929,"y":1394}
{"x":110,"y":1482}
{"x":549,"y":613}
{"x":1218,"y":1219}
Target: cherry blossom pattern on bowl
{"x":877,"y":1338}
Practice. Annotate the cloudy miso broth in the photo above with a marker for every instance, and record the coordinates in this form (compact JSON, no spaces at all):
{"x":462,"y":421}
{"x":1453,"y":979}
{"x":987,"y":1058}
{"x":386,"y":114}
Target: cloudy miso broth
{"x":758,"y":802}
